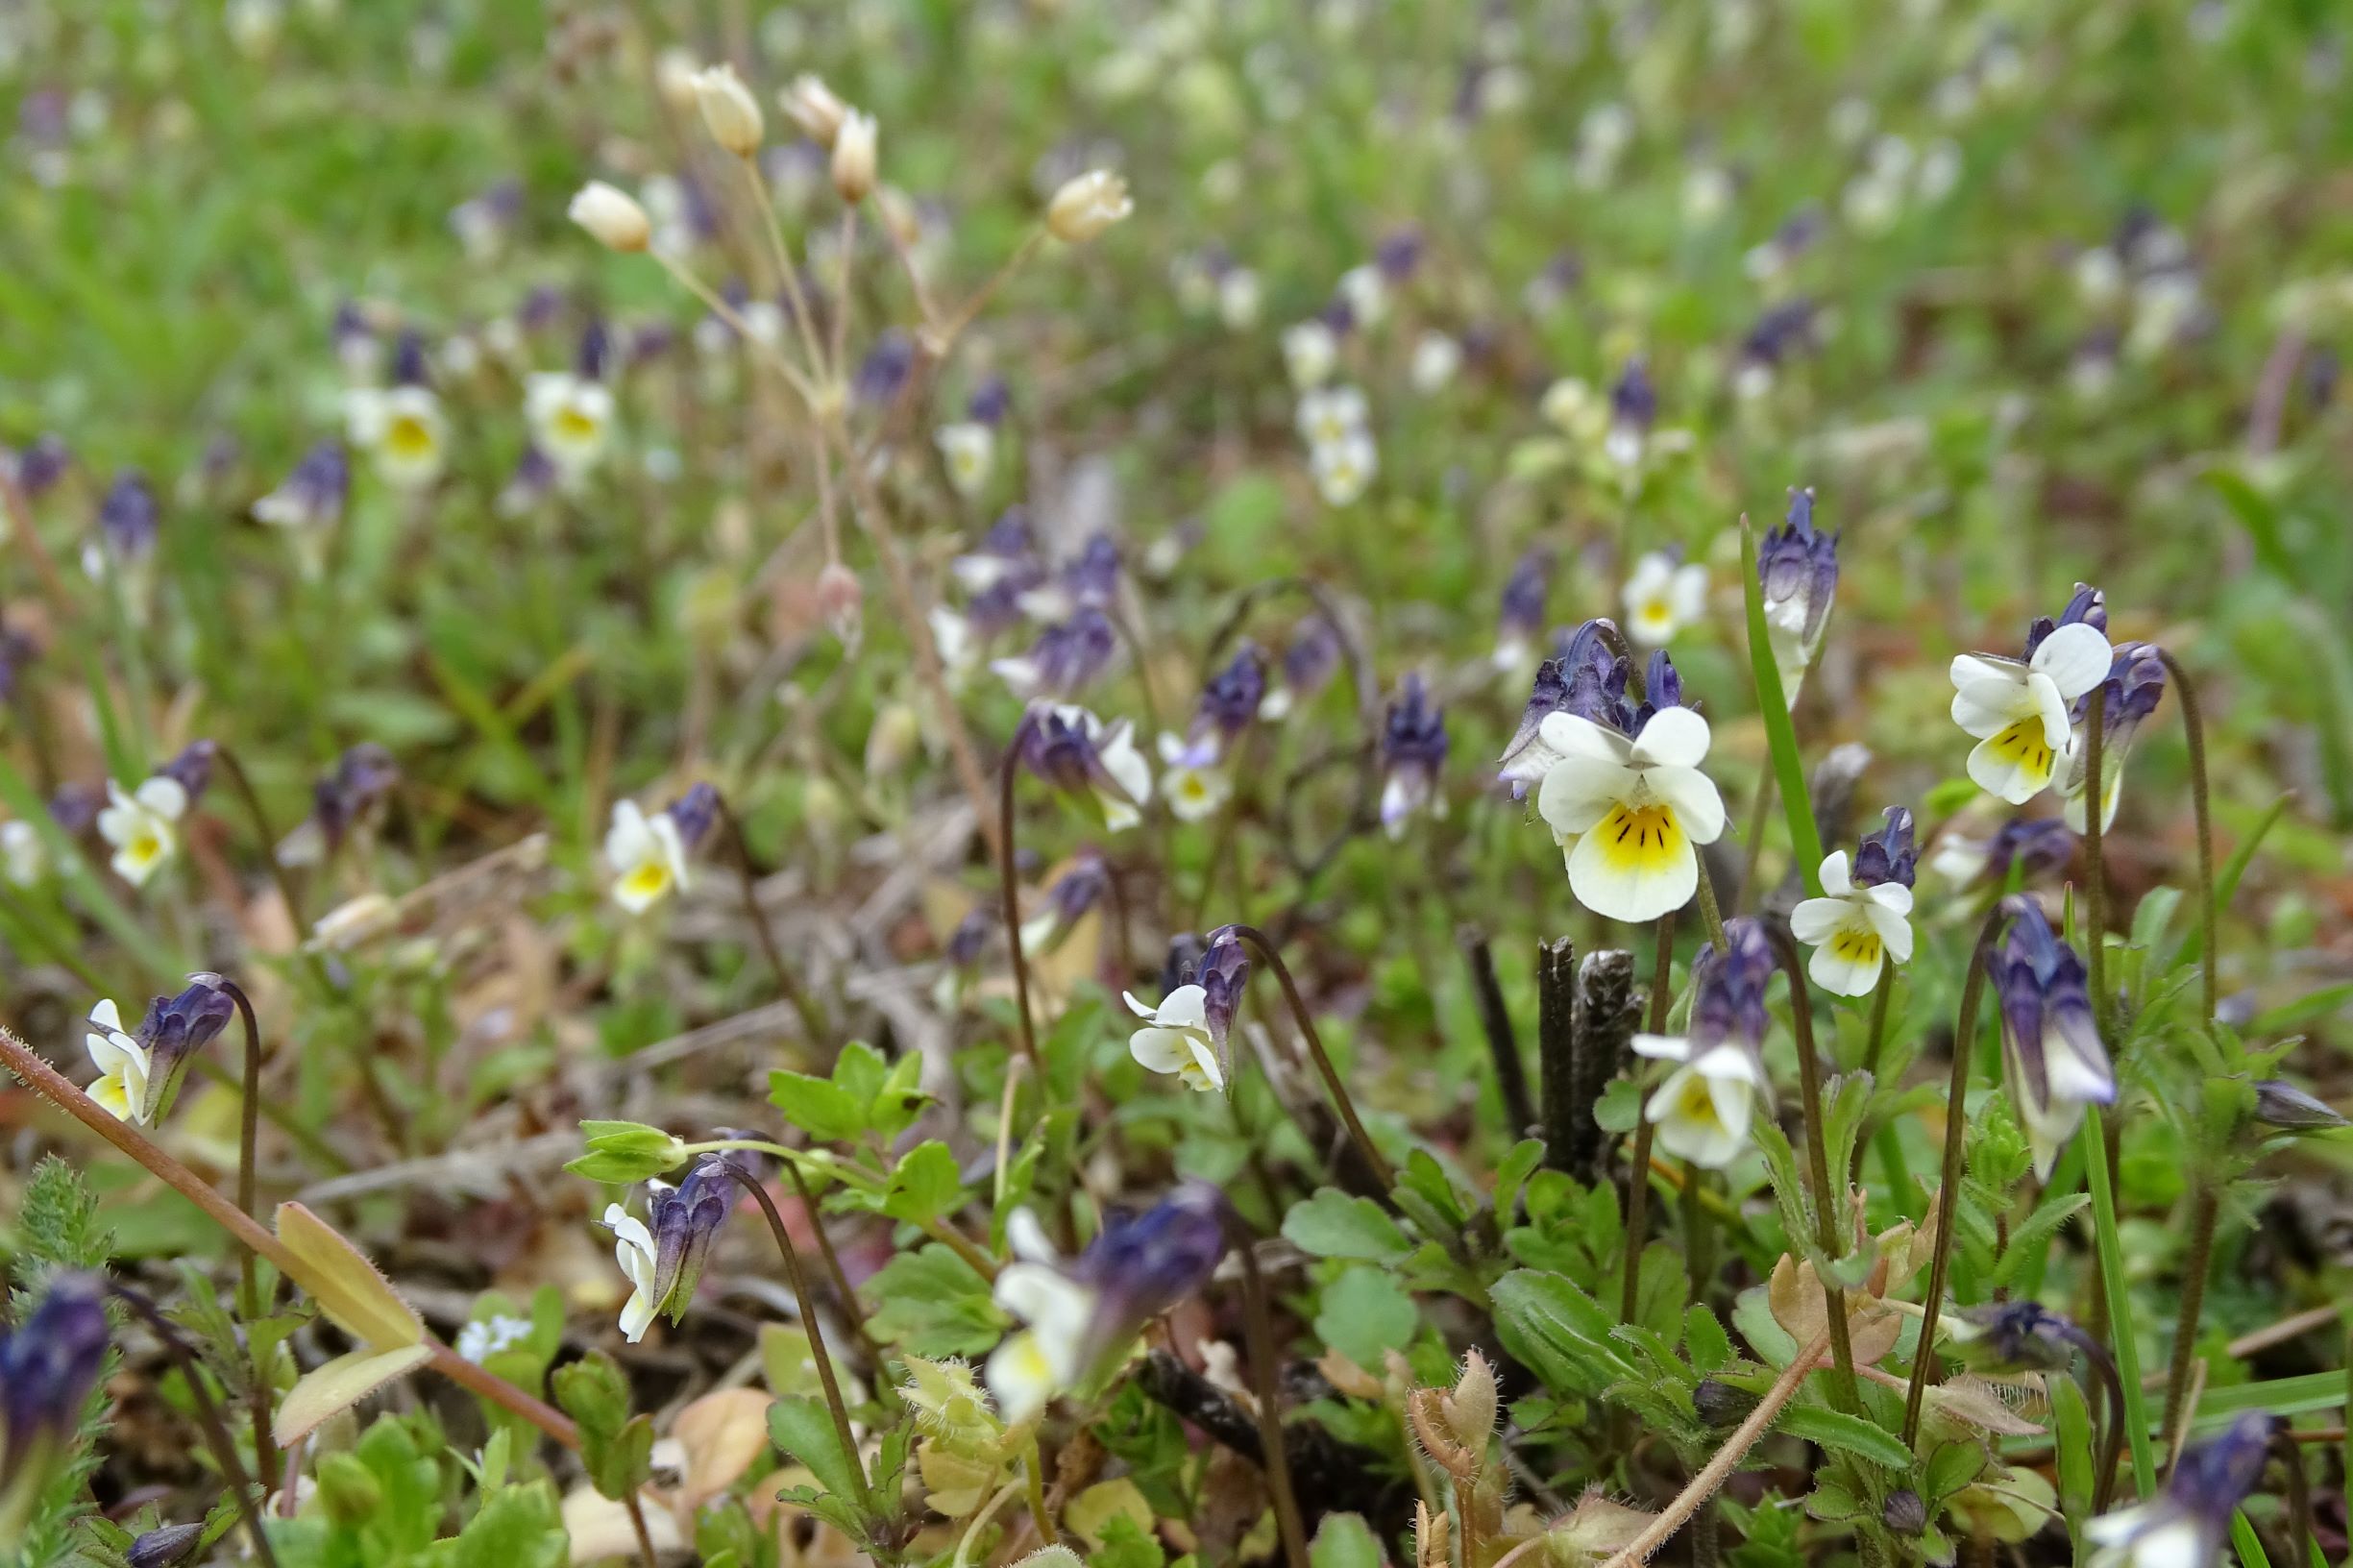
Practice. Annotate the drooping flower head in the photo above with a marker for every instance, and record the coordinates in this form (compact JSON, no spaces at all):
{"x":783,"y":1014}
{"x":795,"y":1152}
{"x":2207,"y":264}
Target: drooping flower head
{"x":314,"y":495}
{"x":1798,"y":567}
{"x":2012,"y":1336}
{"x":1706,"y":1108}
{"x":1185,"y":1034}
{"x":2019,"y":709}
{"x":1000,"y":573}
{"x":1309,"y":660}
{"x":1088,"y":580}
{"x":2184,"y":1525}
{"x":1860,"y":924}
{"x":2034,"y":845}
{"x":1624,"y":797}
{"x":1065,"y":659}
{"x":2052,"y":1049}
{"x":1230,"y":700}
{"x":1413,"y":756}
{"x":139,"y":1073}
{"x":1520,"y":616}
{"x":1080,"y":1312}
{"x":191,"y":767}
{"x":2281,"y":1104}
{"x":1073,"y":894}
{"x":1633,"y":408}
{"x":1075,"y":752}
{"x":49,"y":1367}
{"x":129,"y":517}
{"x":340,"y":798}
{"x":664,"y":1258}
{"x":2134,"y":685}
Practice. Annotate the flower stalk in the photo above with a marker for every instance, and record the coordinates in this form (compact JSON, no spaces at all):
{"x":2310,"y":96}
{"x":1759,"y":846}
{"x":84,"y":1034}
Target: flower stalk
{"x":2194,"y":731}
{"x":811,"y":1020}
{"x":1267,"y":1375}
{"x":243,"y":784}
{"x":249,"y":1291}
{"x":209,"y":1418}
{"x":1818,"y":1166}
{"x":1007,"y":887}
{"x":1638,"y":1170}
{"x":1265,"y":947}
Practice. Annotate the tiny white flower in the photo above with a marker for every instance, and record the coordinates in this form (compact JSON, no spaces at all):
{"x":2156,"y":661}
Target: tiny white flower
{"x":1193,"y":786}
{"x":951,"y":635}
{"x":1706,"y":1108}
{"x":1176,"y":1038}
{"x":21,"y":853}
{"x":634,"y":1250}
{"x":1046,"y":1357}
{"x":645,"y":854}
{"x":1853,"y":930}
{"x":1311,"y":353}
{"x":1627,"y":813}
{"x":1237,"y":298}
{"x":968,"y":449}
{"x":484,"y":1337}
{"x":2018,"y":710}
{"x":122,"y":1063}
{"x":142,"y":826}
{"x":403,"y":429}
{"x":1366,"y":294}
{"x":1662,"y":597}
{"x":1331,"y":414}
{"x":570,"y":418}
{"x":1343,"y":469}
{"x":1573,"y":408}
{"x":1437,"y":358}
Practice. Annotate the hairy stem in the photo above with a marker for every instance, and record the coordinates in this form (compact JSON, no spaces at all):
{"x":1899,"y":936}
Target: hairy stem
{"x":1638,"y":1176}
{"x":249,"y":1289}
{"x":852,"y":1308}
{"x":208,"y":1417}
{"x":2194,"y":731}
{"x":1340,"y":1102}
{"x":1007,"y":886}
{"x":1948,"y":1183}
{"x":1818,"y":1164}
{"x":2204,"y":1203}
{"x":1710,"y":1479}
{"x":1260,"y":1324}
{"x":2095,"y":871}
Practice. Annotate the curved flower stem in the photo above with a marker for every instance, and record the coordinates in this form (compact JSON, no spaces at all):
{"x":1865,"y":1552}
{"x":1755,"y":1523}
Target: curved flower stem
{"x":207,"y":1416}
{"x":2094,"y":871}
{"x":2204,"y":1203}
{"x":249,"y":1289}
{"x":1948,"y":1182}
{"x":244,"y":786}
{"x":1826,"y":1203}
{"x":1010,"y":894}
{"x":1260,"y":1324}
{"x":1874,"y":1042}
{"x":52,"y":1086}
{"x":852,"y":1308}
{"x":1719,"y":1470}
{"x":818,"y":1352}
{"x":1705,"y":890}
{"x":811,"y":1019}
{"x":646,"y":1555}
{"x":2194,"y":731}
{"x":1638,"y":1175}
{"x":1745,"y":890}
{"x":2291,"y":1454}
{"x":2112,"y":1384}
{"x":1340,"y":1102}
{"x":980,"y":1521}
{"x":940,"y":339}
{"x":1033,"y":1489}
{"x":787,"y":275}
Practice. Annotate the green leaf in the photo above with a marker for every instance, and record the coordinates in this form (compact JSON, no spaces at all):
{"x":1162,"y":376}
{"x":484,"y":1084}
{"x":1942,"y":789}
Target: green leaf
{"x":2246,"y":1543}
{"x":925,"y":1184}
{"x":2030,"y":1240}
{"x":817,"y":1105}
{"x":616,"y":1447}
{"x":1561,"y":1334}
{"x":2106,"y":1238}
{"x":1332,"y":1224}
{"x":934,"y":1304}
{"x":1780,"y":735}
{"x":1847,"y":1433}
{"x":517,"y":1526}
{"x":803,"y":1429}
{"x":1511,"y":1173}
{"x":1344,"y":1540}
{"x":1704,"y":1342}
{"x":1366,"y":1313}
{"x":2070,"y":1430}
{"x":1954,"y":1465}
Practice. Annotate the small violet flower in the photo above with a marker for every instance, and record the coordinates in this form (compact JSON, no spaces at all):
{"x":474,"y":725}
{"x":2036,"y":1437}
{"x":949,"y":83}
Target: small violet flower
{"x":571,"y":419}
{"x":314,"y":495}
{"x":1705,"y":1110}
{"x":1066,"y":658}
{"x":49,"y":1367}
{"x":1077,"y":754}
{"x":1858,"y":924}
{"x":648,"y":855}
{"x":2184,"y":1525}
{"x":664,"y":1260}
{"x":1798,"y":569}
{"x":2130,"y":694}
{"x":1520,"y":617}
{"x":2053,"y":1056}
{"x":1412,"y":755}
{"x":139,"y":1073}
{"x":2019,"y":709}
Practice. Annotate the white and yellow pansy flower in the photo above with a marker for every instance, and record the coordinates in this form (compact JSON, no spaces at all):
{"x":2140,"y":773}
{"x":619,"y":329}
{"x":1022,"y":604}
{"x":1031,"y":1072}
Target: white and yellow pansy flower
{"x":1344,"y":468}
{"x":403,"y":431}
{"x":1662,"y":597}
{"x":1046,"y":1357}
{"x":1855,"y":931}
{"x":1193,"y":786}
{"x":1628,"y":812}
{"x":571,"y":419}
{"x":1329,"y":414}
{"x":634,"y":1250}
{"x":968,"y":449}
{"x":1176,"y":1038}
{"x":123,"y":1064}
{"x":647,"y":855}
{"x":1311,"y":353}
{"x":142,"y":825}
{"x":1705,"y":1110}
{"x":2018,"y":710}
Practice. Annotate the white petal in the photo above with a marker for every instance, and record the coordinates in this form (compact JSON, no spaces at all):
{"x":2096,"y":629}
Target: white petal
{"x":1895,"y":931}
{"x":1967,"y":668}
{"x":2075,"y":658}
{"x":1651,"y":574}
{"x":630,"y":842}
{"x":1836,"y":881}
{"x":1842,"y":976}
{"x":2051,"y":704}
{"x":1663,"y":1047}
{"x":2014,"y":778}
{"x":1986,"y":707}
{"x":1025,"y":1234}
{"x":1699,"y":810}
{"x":1689,"y":592}
{"x":636,"y":1317}
{"x":1674,"y":738}
{"x":1635,"y":894}
{"x":1574,"y":736}
{"x":1814,"y":918}
{"x":106,"y":1015}
{"x":1578,"y":791}
{"x":1185,"y":1008}
{"x":1137,"y":1006}
{"x":1159,"y":1050}
{"x":1893,"y":897}
{"x":165,"y":796}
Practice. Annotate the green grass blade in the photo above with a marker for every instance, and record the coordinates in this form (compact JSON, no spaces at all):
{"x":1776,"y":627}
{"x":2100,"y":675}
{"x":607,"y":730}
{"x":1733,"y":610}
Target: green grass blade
{"x":1789,"y":773}
{"x":2244,"y":1540}
{"x":2226,"y":881}
{"x":2093,"y":1140}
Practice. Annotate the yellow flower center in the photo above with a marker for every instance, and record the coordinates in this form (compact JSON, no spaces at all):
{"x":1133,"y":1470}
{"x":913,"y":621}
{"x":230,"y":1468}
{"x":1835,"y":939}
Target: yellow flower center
{"x":575,"y":423}
{"x":1696,"y":1101}
{"x":1642,"y":839}
{"x":1658,"y":611}
{"x":146,"y":847}
{"x":408,"y":436}
{"x":1856,"y":943}
{"x":2024,"y":746}
{"x":648,"y":880}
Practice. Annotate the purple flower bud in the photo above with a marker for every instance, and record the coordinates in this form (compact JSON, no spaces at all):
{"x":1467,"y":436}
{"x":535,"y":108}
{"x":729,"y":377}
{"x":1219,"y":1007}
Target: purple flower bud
{"x":1522,"y":611}
{"x":1727,"y":998}
{"x":685,"y":1220}
{"x":408,"y":364}
{"x":1143,"y":1266}
{"x":1526,"y":758}
{"x":1231,"y":699}
{"x":2279,"y":1102}
{"x":127,"y":517}
{"x":532,"y":481}
{"x":696,"y":812}
{"x":2051,"y":1048}
{"x":1064,"y":659}
{"x":885,"y":369}
{"x":192,"y":769}
{"x":40,"y":466}
{"x":172,"y":1031}
{"x":1633,"y":402}
{"x":1905,"y":1511}
{"x":2189,"y":1520}
{"x":1310,"y":659}
{"x":2020,"y":1336}
{"x":1412,"y":752}
{"x":991,"y":401}
{"x":1887,"y":855}
{"x":1183,"y":964}
{"x":1797,"y":570}
{"x":1059,"y":746}
{"x":1662,"y":687}
{"x":971,"y":937}
{"x":49,"y":1367}
{"x":1074,"y":892}
{"x":2035,"y":845}
{"x":2088,"y":605}
{"x":1223,"y":975}
{"x":1597,"y":679}
{"x":593,"y":360}
{"x":542,"y":307}
{"x":1783,"y":333}
{"x":1092,"y":578}
{"x":75,"y":808}
{"x":1339,"y":316}
{"x":1399,"y":254}
{"x":361,"y":777}
{"x":314,"y":494}
{"x":164,"y":1547}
